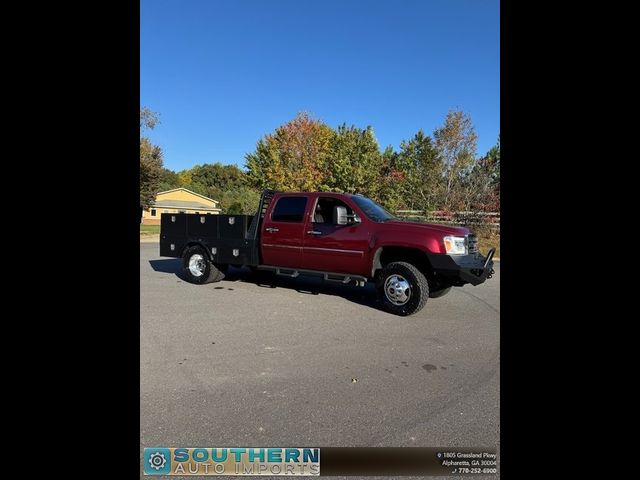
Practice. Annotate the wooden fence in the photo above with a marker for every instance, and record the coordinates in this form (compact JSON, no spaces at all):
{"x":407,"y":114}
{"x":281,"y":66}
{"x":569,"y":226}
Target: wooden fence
{"x":490,"y":219}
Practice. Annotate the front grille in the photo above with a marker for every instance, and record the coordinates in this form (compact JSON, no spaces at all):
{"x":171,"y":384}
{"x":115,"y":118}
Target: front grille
{"x":472,"y":244}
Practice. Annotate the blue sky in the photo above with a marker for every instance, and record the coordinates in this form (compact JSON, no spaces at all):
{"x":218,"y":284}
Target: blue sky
{"x":224,"y":73}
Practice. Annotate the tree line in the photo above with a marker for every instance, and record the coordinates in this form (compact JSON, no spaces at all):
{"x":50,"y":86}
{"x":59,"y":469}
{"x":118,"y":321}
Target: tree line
{"x":441,"y":171}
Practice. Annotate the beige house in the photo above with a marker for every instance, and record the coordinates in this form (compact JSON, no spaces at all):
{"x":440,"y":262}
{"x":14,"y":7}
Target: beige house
{"x":179,"y":200}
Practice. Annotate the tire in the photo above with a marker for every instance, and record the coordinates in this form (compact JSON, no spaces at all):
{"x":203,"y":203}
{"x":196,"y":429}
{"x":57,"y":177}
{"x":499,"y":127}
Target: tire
{"x":403,"y":301}
{"x":439,"y":293}
{"x":197,"y":268}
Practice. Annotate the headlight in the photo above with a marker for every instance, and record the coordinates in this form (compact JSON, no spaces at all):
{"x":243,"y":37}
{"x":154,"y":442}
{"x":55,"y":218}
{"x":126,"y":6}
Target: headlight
{"x":455,"y":245}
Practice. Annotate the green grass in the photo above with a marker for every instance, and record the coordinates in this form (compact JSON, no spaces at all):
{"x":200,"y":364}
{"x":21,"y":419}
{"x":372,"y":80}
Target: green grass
{"x":149,"y":230}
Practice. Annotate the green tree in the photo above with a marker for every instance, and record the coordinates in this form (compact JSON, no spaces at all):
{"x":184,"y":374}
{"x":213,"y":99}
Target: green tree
{"x":227,"y":184}
{"x":241,"y":200}
{"x":168,"y":180}
{"x":294,"y":157}
{"x":217,"y":178}
{"x":355,"y":162}
{"x":150,"y":161}
{"x":422,"y":167}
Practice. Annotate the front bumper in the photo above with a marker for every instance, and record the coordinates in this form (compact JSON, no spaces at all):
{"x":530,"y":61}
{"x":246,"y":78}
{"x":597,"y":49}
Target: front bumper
{"x":462,"y":269}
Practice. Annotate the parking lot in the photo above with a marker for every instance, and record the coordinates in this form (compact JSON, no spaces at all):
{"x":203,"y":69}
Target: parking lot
{"x":286,"y":362}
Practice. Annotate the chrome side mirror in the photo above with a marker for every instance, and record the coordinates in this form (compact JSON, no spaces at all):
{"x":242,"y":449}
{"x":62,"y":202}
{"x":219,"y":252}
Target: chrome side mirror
{"x":340,"y":214}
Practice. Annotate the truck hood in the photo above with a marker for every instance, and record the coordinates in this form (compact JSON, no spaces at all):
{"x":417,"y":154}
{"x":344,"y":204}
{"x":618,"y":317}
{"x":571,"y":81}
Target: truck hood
{"x":433,"y":227}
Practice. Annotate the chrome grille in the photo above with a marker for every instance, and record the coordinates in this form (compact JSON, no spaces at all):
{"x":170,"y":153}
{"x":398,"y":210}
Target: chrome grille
{"x":472,"y":243}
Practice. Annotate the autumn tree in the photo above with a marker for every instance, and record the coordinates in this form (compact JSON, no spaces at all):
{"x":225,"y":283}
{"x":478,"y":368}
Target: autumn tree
{"x":455,"y":142}
{"x":482,"y":187}
{"x":391,"y":182}
{"x":150,"y":161}
{"x":491,"y":164}
{"x":148,"y":119}
{"x":294,"y":158}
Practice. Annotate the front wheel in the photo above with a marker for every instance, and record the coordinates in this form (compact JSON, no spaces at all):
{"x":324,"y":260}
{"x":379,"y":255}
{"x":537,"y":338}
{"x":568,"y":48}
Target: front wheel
{"x":402,"y":288}
{"x":197,"y":267}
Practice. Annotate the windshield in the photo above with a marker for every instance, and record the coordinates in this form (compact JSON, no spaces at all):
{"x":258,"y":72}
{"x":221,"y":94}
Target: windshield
{"x":371,"y":209}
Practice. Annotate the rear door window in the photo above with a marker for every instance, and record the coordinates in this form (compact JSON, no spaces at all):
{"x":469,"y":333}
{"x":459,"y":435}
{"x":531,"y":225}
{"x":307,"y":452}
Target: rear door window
{"x":289,"y":209}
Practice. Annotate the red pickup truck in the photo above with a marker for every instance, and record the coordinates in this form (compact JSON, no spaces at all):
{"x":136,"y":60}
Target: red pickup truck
{"x":340,"y":237}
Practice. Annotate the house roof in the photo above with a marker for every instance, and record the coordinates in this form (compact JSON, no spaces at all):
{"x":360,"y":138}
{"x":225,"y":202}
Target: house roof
{"x":191,"y":192}
{"x":182,"y":204}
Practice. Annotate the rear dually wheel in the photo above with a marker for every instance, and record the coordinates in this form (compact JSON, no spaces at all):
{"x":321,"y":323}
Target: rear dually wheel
{"x":197,"y":268}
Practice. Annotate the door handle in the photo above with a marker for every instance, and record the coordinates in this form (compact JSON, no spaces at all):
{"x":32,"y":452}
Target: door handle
{"x":314,"y":232}
{"x":272,"y":229}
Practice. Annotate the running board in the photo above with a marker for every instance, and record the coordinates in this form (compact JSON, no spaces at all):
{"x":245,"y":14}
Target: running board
{"x":343,"y":278}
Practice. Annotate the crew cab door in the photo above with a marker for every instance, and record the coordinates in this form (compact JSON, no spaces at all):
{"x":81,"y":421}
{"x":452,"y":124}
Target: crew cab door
{"x":331,"y":247}
{"x":283,"y":230}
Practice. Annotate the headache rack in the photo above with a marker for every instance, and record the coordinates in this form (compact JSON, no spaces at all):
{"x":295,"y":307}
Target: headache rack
{"x":263,"y":206}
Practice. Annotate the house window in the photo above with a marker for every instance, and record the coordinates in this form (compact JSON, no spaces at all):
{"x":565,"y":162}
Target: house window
{"x":153,"y":212}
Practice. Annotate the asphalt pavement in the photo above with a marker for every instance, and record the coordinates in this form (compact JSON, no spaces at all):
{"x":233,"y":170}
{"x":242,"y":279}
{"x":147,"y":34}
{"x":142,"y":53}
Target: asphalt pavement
{"x":297,"y":362}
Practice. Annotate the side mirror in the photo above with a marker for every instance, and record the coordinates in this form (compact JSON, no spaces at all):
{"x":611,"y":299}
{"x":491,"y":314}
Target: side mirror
{"x":342,"y":218}
{"x":340,"y":214}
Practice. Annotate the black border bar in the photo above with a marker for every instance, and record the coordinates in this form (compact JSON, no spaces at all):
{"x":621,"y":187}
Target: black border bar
{"x":388,"y":461}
